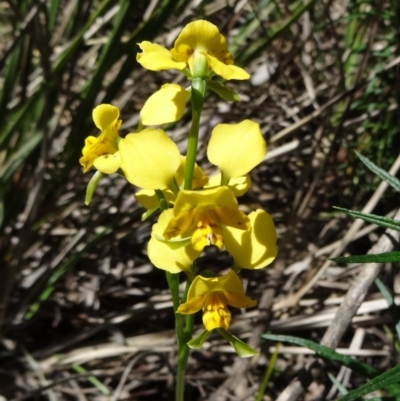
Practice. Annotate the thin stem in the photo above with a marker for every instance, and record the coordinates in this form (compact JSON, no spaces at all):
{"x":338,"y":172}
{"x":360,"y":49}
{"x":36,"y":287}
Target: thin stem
{"x":173,"y":284}
{"x":224,"y":179}
{"x":198,"y":92}
{"x":173,"y":186}
{"x":183,"y":351}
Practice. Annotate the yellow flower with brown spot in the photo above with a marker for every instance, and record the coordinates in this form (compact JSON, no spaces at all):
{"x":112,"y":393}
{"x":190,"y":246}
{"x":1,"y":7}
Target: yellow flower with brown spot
{"x":202,"y":214}
{"x":200,"y":47}
{"x":214,"y":295}
{"x":102,"y":152}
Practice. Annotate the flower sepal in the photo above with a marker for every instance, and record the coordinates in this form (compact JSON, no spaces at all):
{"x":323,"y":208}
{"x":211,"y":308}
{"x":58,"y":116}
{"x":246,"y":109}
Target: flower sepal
{"x":91,"y":187}
{"x":198,"y":341}
{"x":148,"y":213}
{"x":241,"y":348}
{"x":174,"y":243}
{"x":223,"y":91}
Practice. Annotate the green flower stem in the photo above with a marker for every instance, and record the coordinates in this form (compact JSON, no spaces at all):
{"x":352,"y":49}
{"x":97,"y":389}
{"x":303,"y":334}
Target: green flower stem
{"x":183,"y":351}
{"x":174,"y":187}
{"x":198,"y":93}
{"x":224,"y":179}
{"x":173,"y":284}
{"x":140,"y":127}
{"x":183,"y":332}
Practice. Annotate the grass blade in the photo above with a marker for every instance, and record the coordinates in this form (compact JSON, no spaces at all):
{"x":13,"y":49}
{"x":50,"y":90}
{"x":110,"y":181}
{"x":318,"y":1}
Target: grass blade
{"x":372,"y":218}
{"x":386,"y":257}
{"x":326,"y":353}
{"x":384,"y":380}
{"x":392,"y":181}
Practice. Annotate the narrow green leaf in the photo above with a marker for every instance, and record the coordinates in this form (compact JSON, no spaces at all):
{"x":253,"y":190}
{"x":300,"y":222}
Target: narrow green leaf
{"x":392,"y":181}
{"x":52,"y":13}
{"x":325,"y":352}
{"x":148,"y":213}
{"x":241,"y":348}
{"x":39,"y":374}
{"x":16,"y":119}
{"x":337,"y":383}
{"x":262,"y":42}
{"x":91,"y":187}
{"x":384,"y":380}
{"x":63,"y":59}
{"x":18,"y":158}
{"x":393,"y":308}
{"x":223,"y":91}
{"x":386,"y":257}
{"x":94,"y":380}
{"x":267,"y":375}
{"x":197,"y":342}
{"x":10,"y":74}
{"x":372,"y":218}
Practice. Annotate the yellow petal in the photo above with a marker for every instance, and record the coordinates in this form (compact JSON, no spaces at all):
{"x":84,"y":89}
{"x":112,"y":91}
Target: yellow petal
{"x":236,"y":148}
{"x":239,"y":300}
{"x":105,"y":116}
{"x":192,"y":306}
{"x":166,"y":256}
{"x":206,"y":199}
{"x":201,"y":286}
{"x":88,"y":156}
{"x":155,"y":58}
{"x":207,"y":235}
{"x":165,"y":106}
{"x":232,"y":218}
{"x":200,"y":36}
{"x":108,"y":164}
{"x":238,"y":185}
{"x":148,"y":198}
{"x":149,"y":159}
{"x":256,"y":248}
{"x":227,"y":71}
{"x":216,"y":314}
{"x":179,"y":225}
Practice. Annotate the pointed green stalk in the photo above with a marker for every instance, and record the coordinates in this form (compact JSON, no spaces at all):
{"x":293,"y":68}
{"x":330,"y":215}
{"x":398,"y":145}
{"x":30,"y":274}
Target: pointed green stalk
{"x":183,"y":332}
{"x":198,"y":92}
{"x":224,"y":179}
{"x":183,"y":351}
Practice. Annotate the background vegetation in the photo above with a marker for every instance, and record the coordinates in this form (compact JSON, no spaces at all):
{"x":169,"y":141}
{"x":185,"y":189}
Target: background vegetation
{"x":82,"y":312}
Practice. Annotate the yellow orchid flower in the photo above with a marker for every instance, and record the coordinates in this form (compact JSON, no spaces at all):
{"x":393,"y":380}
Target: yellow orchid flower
{"x":255,"y":248}
{"x":200,"y":47}
{"x":174,"y":257}
{"x":150,"y":159}
{"x":165,"y":106}
{"x":102,"y":152}
{"x":213,"y":295}
{"x":201,"y":215}
{"x":236,"y":148}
